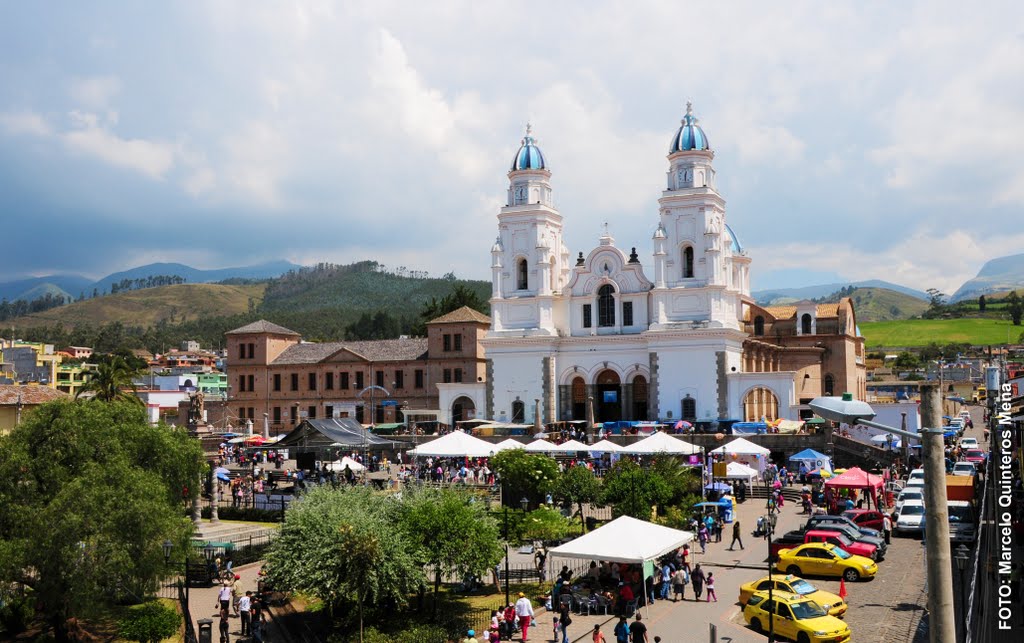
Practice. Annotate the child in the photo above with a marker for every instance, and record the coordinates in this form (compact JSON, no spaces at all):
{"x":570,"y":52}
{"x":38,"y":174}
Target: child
{"x":554,"y":630}
{"x":598,"y":637}
{"x":711,"y":587}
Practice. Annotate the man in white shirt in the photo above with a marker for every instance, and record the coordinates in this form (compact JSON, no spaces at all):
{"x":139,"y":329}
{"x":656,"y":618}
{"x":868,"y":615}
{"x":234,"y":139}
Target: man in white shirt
{"x":524,"y":610}
{"x":224,"y":597}
{"x":243,"y":609}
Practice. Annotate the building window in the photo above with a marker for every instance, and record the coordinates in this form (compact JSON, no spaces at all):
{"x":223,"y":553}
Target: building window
{"x":295,"y":414}
{"x":447,"y":376}
{"x":688,"y":262}
{"x":312,"y":381}
{"x":458,"y":375}
{"x":805,"y":324}
{"x":447,"y":340}
{"x":328,"y":412}
{"x":277,"y":381}
{"x":606,"y":306}
{"x":311,"y":412}
{"x":344,"y":381}
{"x":458,"y":343}
{"x":522,"y":272}
{"x":399,"y":379}
{"x":329,"y":381}
{"x":380,"y":378}
{"x":241,"y":351}
{"x":627,"y":313}
{"x":241,"y":383}
{"x":251,"y":383}
{"x":518,"y":411}
{"x":277,"y":415}
{"x":252,"y":351}
{"x":295,"y":381}
{"x":418,"y":377}
{"x":689,"y":408}
{"x":759,"y":326}
{"x":587,"y":322}
{"x":359,"y":380}
{"x":830,"y":385}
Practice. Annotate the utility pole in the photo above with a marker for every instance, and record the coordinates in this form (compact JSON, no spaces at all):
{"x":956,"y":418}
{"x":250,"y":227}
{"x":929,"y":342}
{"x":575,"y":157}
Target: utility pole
{"x":941,"y":620}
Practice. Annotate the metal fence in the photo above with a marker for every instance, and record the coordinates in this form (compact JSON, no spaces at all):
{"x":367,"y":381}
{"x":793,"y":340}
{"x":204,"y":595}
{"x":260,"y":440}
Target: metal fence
{"x":190,"y":629}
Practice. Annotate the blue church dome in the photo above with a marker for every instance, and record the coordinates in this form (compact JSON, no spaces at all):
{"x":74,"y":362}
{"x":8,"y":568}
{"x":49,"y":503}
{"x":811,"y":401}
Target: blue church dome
{"x":529,"y":156}
{"x":736,"y":246}
{"x":689,"y":136}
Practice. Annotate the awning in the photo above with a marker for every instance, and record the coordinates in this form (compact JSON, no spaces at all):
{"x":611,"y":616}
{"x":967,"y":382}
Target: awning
{"x":604,"y":446}
{"x":661,"y":443}
{"x":455,"y":444}
{"x":541,"y":446}
{"x":625,"y":540}
{"x":328,"y":432}
{"x":740,"y":446}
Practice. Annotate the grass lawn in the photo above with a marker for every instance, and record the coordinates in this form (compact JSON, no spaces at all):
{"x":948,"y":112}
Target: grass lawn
{"x":920,"y":332}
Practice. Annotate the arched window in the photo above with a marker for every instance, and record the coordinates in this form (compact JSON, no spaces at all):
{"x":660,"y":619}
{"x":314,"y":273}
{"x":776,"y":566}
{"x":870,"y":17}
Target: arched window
{"x":759,"y":326}
{"x":606,"y":306}
{"x":689,"y":408}
{"x":522,"y":270}
{"x":830,"y":385}
{"x":805,"y":324}
{"x":688,"y":262}
{"x":518,"y":411}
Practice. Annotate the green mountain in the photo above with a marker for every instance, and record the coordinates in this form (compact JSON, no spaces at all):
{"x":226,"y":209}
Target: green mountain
{"x":882,"y":304}
{"x":996,"y":276}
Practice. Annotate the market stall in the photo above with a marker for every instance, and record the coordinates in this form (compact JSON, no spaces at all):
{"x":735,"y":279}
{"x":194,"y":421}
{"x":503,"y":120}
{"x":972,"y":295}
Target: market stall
{"x":454,"y":444}
{"x":745,"y":451}
{"x":661,"y":443}
{"x":853,"y":480}
{"x":811,"y":460}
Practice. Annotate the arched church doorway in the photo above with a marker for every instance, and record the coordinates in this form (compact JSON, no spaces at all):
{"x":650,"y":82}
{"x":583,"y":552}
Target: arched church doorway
{"x":518,"y":411}
{"x":463,"y":409}
{"x":640,"y":398}
{"x":760,"y":403}
{"x":579,"y":399}
{"x":609,"y":397}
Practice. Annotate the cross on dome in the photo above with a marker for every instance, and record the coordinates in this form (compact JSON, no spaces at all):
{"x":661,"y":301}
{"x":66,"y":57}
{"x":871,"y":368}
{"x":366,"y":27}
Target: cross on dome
{"x":689,"y":136}
{"x":690,"y":119}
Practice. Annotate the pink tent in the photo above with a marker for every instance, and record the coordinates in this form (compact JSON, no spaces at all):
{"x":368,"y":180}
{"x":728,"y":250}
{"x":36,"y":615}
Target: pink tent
{"x":857,"y":478}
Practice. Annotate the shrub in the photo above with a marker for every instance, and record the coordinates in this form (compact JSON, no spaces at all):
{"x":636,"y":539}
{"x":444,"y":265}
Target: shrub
{"x":16,"y":612}
{"x":149,"y":623}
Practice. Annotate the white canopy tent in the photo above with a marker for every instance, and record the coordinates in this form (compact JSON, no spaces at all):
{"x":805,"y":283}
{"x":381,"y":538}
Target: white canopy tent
{"x":339,"y":465}
{"x":742,"y":446}
{"x":624,"y":540}
{"x":541,"y":446}
{"x":604,"y":446}
{"x":661,"y":443}
{"x":740,"y":471}
{"x":455,"y":444}
{"x":508,"y":444}
{"x":571,"y":446}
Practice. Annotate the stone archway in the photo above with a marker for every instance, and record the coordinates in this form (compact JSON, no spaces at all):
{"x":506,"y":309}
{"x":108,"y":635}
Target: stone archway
{"x":608,"y":397}
{"x":578,"y":391}
{"x":463,"y":409}
{"x":639,"y":398}
{"x":760,"y":402}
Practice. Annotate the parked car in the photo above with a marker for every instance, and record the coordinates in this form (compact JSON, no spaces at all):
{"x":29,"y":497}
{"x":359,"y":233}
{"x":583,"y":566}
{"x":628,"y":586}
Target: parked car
{"x":822,"y":521}
{"x":870,"y":518}
{"x":968,"y":443}
{"x":794,"y":585}
{"x":964,"y":468}
{"x":852,"y":531}
{"x":795,"y":617}
{"x":825,"y":559}
{"x":976,"y":457}
{"x":910,"y":517}
{"x":915,"y":479}
{"x":840,"y":540}
{"x":909,"y":493}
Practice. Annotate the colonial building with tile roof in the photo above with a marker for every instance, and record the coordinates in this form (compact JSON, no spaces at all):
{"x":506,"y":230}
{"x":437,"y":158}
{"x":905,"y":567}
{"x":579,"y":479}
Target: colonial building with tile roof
{"x":274,"y":374}
{"x":18,"y":400}
{"x":570,"y":334}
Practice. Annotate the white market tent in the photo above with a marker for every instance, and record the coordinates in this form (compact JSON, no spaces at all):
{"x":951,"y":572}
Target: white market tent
{"x":742,"y":446}
{"x":625,"y":540}
{"x":571,"y":446}
{"x":740,"y":471}
{"x":661,"y":443}
{"x":339,"y":465}
{"x":604,"y":446}
{"x":510,"y":443}
{"x":541,"y":446}
{"x":454,"y":444}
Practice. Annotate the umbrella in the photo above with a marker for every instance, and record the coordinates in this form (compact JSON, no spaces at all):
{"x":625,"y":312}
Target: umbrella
{"x":237,"y":440}
{"x":222,"y":474}
{"x":255,"y":439}
{"x":717,"y":486}
{"x":707,"y":504}
{"x":682,"y":424}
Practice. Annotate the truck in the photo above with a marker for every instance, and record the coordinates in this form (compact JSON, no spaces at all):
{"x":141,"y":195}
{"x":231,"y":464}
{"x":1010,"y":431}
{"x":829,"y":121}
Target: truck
{"x":960,"y":488}
{"x":960,"y":499}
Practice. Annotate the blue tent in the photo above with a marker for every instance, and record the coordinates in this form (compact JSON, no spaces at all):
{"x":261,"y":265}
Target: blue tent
{"x":749,"y":428}
{"x":812,"y":459}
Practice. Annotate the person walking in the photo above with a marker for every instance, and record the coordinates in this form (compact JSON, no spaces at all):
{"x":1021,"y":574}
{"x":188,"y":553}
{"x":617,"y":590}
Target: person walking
{"x":886,"y":527}
{"x":621,"y":631}
{"x":711,"y":588}
{"x":737,"y":535}
{"x":225,"y":626}
{"x":524,"y":610}
{"x":697,"y":578}
{"x":564,"y":621}
{"x":638,"y":630}
{"x":597,"y":637}
{"x":702,"y":538}
{"x":679,"y":581}
{"x":256,"y":617}
{"x":244,"y":604}
{"x":224,"y":596}
{"x":666,"y":581}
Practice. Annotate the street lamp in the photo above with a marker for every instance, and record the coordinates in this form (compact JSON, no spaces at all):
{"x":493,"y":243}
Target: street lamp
{"x":939,"y":574}
{"x":960,"y":559}
{"x":168,"y":547}
{"x":771,"y":583}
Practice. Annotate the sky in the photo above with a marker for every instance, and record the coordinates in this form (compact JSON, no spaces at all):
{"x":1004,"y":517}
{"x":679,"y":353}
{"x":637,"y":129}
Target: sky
{"x":852,"y":140}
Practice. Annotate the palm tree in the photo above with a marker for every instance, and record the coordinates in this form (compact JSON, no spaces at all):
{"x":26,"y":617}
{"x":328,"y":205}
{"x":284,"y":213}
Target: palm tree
{"x":112,"y":381}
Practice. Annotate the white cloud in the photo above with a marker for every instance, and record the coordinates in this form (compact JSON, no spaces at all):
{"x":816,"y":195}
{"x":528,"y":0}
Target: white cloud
{"x":94,"y":92}
{"x":30,"y":123}
{"x":88,"y":136}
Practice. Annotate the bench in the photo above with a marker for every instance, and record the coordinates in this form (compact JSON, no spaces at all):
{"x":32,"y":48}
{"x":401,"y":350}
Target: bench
{"x":520,"y":575}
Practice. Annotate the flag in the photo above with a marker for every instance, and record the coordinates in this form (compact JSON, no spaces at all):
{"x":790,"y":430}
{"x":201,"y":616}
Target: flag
{"x":842,"y":588}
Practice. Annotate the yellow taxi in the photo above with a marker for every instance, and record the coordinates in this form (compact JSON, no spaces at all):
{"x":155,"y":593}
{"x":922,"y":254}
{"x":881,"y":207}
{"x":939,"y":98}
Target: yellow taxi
{"x":791,"y":584}
{"x":794,"y":617}
{"x":825,"y":559}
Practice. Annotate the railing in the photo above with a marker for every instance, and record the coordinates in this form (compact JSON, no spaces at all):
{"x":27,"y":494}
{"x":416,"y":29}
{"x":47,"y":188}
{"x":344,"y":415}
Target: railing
{"x":190,"y":630}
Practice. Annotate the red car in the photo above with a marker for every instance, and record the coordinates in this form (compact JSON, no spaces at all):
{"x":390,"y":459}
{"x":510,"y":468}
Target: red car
{"x":865,"y":518}
{"x":976,"y":456}
{"x":842,"y":542}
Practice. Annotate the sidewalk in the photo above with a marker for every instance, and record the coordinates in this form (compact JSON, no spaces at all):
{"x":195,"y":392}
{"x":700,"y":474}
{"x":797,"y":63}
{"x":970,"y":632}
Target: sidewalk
{"x":202,"y":602}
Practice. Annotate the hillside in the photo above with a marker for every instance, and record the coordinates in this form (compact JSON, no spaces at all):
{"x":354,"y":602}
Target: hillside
{"x":920,"y":332}
{"x":171,"y":304}
{"x":882,"y":304}
{"x":782,"y":296}
{"x":35,"y":287}
{"x":998,"y":275}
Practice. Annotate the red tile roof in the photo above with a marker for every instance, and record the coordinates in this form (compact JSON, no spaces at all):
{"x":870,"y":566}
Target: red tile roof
{"x":31,"y":394}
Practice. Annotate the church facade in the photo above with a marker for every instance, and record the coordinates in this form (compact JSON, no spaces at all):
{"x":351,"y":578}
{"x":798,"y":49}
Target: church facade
{"x":594,"y":331}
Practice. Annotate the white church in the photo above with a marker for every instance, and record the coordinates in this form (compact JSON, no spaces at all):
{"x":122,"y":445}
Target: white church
{"x":688,"y":342}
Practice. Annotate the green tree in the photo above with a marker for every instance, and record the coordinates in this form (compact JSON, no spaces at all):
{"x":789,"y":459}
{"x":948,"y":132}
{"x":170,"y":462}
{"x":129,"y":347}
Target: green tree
{"x":632,"y":491}
{"x":907,"y":361}
{"x":88,"y":494}
{"x":112,"y":381}
{"x":982,"y":303}
{"x":345,"y":547}
{"x":525,"y":475}
{"x":455,"y":534}
{"x":1015,"y":307}
{"x":577,"y":485}
{"x":149,"y":623}
{"x":545,"y":523}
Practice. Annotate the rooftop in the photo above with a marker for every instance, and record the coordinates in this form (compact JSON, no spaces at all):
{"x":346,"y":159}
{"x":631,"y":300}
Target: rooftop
{"x":464,"y":314}
{"x":380,"y":350}
{"x":30,"y":395}
{"x":262,"y":326}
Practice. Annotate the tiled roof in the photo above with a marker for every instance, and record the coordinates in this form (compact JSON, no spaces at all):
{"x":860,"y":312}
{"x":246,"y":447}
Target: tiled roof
{"x":827,"y":310}
{"x":262,"y":326}
{"x":30,"y":395}
{"x":464,"y":314}
{"x":380,"y":350}
{"x":781,"y":312}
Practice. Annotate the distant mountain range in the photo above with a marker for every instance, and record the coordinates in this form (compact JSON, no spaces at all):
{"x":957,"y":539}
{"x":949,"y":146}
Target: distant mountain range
{"x":71,"y":286}
{"x":780,"y":296}
{"x":997,"y":275}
